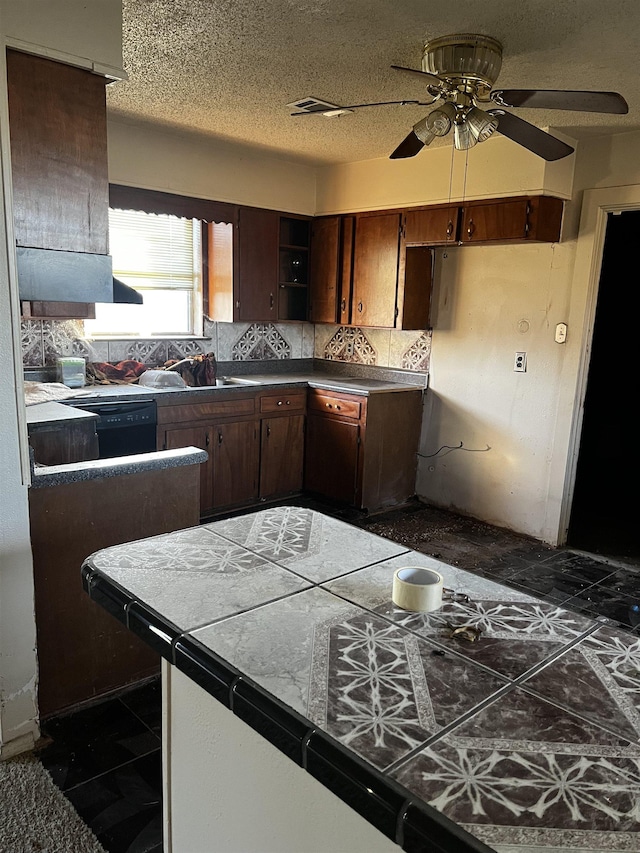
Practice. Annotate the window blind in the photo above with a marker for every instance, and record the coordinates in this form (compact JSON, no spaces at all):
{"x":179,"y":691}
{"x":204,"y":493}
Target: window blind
{"x":154,"y":251}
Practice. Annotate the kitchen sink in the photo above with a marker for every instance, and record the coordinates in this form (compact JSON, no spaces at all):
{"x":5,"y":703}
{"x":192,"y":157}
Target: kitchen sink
{"x":234,"y":380}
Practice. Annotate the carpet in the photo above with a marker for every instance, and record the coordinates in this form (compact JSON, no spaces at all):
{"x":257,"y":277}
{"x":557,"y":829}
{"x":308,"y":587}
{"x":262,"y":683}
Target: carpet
{"x":35,"y":816}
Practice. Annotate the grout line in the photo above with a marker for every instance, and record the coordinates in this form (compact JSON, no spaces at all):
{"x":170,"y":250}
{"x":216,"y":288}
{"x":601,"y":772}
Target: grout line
{"x":445,"y":730}
{"x":112,"y":769}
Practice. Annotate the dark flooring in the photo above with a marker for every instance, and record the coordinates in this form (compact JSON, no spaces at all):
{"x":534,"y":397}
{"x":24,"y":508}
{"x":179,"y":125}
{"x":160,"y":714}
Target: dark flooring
{"x":107,"y":757}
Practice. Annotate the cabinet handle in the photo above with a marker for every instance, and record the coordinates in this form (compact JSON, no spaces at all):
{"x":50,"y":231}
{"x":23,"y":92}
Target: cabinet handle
{"x":343,"y":305}
{"x":360,"y":307}
{"x":450,"y":229}
{"x":279,"y":403}
{"x":337,"y":408}
{"x":288,"y":402}
{"x":219,"y":438}
{"x":470,"y":228}
{"x":268,"y":431}
{"x":207,"y":439}
{"x":271,"y":300}
{"x":328,"y":405}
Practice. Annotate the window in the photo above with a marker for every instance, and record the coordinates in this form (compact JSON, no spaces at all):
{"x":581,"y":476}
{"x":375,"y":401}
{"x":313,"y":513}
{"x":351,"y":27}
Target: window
{"x":160,"y":256}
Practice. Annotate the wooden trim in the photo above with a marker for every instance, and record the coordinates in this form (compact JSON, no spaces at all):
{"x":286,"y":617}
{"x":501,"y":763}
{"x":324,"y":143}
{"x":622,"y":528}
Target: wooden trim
{"x":152,"y":201}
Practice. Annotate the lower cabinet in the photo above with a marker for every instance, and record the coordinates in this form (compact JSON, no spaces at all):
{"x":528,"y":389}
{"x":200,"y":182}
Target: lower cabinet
{"x":282,"y":441}
{"x":331,"y":459}
{"x":255,"y":442}
{"x":230,"y":475}
{"x":362,"y":451}
{"x":64,"y":441}
{"x":267,"y":444}
{"x":281,"y":455}
{"x":235,"y":455}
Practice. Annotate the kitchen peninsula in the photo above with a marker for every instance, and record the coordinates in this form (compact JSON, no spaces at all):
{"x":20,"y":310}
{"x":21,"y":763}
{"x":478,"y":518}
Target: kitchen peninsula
{"x":281,"y":622}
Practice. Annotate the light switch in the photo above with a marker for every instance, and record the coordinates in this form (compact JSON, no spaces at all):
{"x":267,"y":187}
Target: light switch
{"x":561,"y":333}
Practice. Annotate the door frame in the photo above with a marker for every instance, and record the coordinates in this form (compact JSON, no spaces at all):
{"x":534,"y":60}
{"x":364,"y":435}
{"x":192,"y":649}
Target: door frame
{"x":596,"y":206}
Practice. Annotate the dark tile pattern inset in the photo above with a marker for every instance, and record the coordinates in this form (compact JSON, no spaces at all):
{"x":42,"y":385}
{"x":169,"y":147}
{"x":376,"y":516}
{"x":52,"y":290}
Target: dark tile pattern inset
{"x":527,"y":773}
{"x":606,"y":666}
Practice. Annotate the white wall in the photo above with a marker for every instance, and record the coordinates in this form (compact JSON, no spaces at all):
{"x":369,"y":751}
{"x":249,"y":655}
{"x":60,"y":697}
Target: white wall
{"x":49,"y":27}
{"x":156,"y":158}
{"x":498,"y":167}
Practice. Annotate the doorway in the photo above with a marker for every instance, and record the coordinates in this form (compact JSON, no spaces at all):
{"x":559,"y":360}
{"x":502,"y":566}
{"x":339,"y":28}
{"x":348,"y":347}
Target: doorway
{"x":604,"y":512}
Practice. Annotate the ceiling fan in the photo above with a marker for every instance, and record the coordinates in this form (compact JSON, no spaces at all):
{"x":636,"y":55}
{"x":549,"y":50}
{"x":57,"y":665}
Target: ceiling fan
{"x":460,"y":71}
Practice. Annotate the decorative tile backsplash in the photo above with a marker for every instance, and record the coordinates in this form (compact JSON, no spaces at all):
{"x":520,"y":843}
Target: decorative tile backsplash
{"x":45,"y":340}
{"x":379,"y":347}
{"x":261,"y":341}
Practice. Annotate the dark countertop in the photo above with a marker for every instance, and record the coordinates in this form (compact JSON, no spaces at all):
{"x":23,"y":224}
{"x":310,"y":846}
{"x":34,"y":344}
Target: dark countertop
{"x":43,"y":476}
{"x":331,"y":382}
{"x":525,"y":740}
{"x":43,"y":414}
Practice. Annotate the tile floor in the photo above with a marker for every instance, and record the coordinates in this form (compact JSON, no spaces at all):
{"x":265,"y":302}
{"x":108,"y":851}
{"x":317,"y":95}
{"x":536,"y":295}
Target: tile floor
{"x":107,"y":757}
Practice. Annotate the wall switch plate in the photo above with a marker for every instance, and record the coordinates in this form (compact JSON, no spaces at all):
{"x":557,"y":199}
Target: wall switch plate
{"x":561,"y":333}
{"x":520,"y":364}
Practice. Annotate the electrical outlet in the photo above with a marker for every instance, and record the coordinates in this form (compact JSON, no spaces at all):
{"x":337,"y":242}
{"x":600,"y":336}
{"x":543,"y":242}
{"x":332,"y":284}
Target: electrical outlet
{"x":520,"y":364}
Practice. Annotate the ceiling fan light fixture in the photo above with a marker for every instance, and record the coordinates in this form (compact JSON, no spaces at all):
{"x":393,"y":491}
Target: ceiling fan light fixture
{"x":439,"y":121}
{"x":480,"y":123}
{"x":463,"y":138}
{"x":466,"y":56}
{"x":422,"y":131}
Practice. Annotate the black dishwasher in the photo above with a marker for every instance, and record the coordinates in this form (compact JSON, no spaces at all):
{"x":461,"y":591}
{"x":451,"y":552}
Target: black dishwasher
{"x":123,"y":427}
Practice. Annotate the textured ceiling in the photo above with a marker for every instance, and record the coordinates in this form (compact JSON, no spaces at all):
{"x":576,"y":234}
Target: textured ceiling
{"x":227,"y":68}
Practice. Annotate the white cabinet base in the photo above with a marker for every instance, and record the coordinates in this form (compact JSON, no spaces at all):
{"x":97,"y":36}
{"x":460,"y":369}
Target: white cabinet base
{"x":227,"y":789}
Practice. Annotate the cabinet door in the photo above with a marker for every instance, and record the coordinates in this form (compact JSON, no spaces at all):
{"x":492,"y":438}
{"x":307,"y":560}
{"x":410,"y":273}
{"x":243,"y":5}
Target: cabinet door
{"x":433,"y":227}
{"x":496,"y":221}
{"x":196,"y":437}
{"x":281,"y":455}
{"x":325,"y":271}
{"x":375,"y":270}
{"x":235,"y":463}
{"x":58,"y":130}
{"x":258,"y":234}
{"x":414,"y":292}
{"x":331,"y":458}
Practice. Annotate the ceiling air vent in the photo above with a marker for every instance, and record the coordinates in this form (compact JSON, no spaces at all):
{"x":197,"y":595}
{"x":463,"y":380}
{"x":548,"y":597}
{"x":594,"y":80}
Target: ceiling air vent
{"x":312,"y":105}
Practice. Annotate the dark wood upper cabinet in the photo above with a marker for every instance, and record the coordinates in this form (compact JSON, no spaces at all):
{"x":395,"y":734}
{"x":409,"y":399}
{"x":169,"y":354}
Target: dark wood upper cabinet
{"x":256,"y":296}
{"x":431,"y":226}
{"x":325,"y":269}
{"x":58,"y":133}
{"x":538,"y":218}
{"x":375,"y":270}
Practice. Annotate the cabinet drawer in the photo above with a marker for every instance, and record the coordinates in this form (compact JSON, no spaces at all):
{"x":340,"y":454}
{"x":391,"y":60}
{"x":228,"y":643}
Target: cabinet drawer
{"x":335,"y":405}
{"x":206,"y":411}
{"x":293,"y":402}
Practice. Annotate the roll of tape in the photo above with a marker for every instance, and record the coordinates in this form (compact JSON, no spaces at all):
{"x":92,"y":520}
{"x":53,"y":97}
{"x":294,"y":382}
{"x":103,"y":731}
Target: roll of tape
{"x":417,"y":589}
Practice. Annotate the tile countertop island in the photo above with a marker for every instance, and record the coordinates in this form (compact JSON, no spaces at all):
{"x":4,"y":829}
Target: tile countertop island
{"x":526,"y":740}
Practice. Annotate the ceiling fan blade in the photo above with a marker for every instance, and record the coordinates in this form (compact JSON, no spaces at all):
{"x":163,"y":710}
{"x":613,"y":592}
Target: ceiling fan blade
{"x":409,"y":147}
{"x":431,"y":78}
{"x":329,"y":111}
{"x":555,"y":99}
{"x":530,"y":136}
